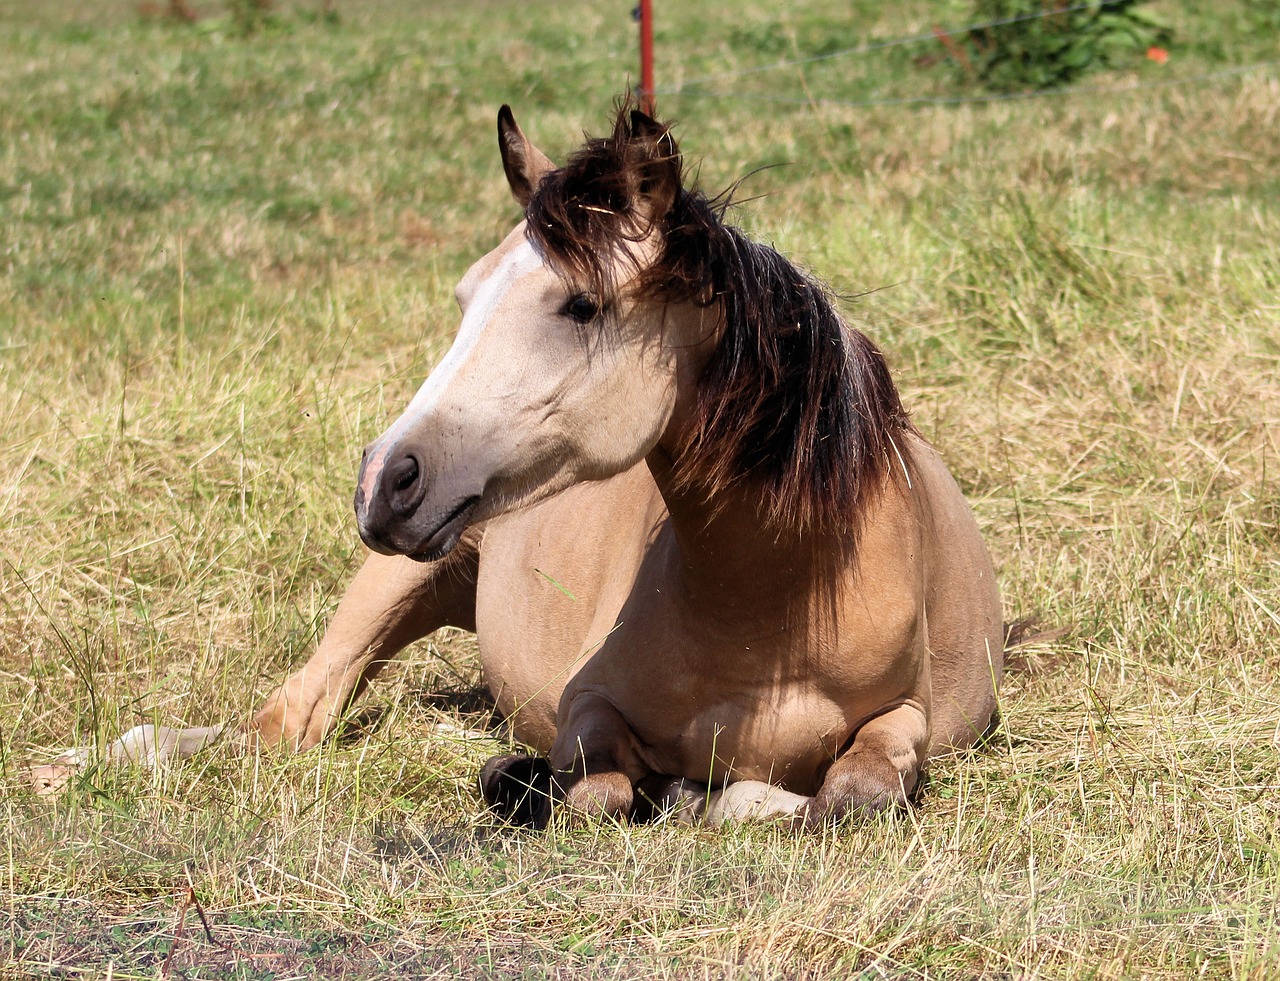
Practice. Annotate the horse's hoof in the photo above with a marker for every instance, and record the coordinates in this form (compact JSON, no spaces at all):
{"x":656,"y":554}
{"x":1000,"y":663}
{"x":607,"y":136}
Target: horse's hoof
{"x":50,"y":779}
{"x":519,"y":788}
{"x":662,"y":798}
{"x":755,"y":800}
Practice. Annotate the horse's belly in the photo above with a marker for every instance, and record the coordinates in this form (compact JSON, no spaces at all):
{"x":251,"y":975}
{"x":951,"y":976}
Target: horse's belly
{"x":552,"y":579}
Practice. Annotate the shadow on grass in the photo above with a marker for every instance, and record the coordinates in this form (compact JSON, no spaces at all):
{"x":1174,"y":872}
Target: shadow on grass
{"x":471,"y":706}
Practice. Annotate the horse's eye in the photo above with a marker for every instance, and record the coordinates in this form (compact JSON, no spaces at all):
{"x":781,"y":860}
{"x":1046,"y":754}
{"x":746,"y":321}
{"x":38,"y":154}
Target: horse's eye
{"x":582,"y":308}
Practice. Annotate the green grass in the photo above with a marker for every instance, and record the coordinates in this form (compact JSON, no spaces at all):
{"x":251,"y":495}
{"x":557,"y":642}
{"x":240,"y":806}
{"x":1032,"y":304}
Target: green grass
{"x":228,"y":260}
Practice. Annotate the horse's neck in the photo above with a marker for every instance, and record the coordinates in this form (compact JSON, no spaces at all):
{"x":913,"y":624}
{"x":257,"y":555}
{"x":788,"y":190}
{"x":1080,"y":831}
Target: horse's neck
{"x":728,"y":559}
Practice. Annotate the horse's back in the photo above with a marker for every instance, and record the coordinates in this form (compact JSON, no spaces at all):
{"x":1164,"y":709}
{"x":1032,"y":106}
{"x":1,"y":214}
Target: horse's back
{"x":962,"y":609}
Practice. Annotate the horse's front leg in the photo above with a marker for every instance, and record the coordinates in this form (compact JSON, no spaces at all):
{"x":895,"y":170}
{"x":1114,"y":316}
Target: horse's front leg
{"x":391,"y":602}
{"x":596,"y":759}
{"x":879,"y":770}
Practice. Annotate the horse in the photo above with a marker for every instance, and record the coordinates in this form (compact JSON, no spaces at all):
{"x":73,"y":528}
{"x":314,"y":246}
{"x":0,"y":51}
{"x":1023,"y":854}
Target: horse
{"x":680,"y":502}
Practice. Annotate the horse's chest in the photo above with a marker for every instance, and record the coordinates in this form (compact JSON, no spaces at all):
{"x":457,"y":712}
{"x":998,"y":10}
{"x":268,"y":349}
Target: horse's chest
{"x":552,"y":578}
{"x":709,"y":712}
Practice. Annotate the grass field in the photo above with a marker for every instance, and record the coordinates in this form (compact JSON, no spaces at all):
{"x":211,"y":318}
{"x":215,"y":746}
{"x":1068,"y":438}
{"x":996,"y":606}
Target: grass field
{"x":228,"y":260}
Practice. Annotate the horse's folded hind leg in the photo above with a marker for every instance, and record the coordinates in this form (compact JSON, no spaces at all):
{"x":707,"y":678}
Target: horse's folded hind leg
{"x":879,"y":770}
{"x":685,"y":801}
{"x":391,"y":602}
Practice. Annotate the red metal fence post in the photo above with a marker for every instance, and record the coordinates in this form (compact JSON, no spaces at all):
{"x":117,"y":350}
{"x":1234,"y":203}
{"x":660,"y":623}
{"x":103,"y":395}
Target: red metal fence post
{"x":646,"y":55}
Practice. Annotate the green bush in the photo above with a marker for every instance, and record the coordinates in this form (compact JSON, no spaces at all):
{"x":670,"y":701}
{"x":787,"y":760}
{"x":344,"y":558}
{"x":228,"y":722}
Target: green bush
{"x":1263,"y":15}
{"x":1047,"y":51}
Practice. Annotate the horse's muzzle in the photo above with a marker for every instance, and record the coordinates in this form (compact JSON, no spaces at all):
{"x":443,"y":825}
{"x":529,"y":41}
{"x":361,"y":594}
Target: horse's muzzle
{"x":395,"y":513}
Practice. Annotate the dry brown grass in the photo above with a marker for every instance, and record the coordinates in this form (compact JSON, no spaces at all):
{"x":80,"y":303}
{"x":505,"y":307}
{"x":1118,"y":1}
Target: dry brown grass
{"x":229,"y":261}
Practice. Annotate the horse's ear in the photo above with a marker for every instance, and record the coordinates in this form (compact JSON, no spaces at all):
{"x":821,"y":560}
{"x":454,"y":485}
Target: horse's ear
{"x":658,"y":163}
{"x":523,"y":162}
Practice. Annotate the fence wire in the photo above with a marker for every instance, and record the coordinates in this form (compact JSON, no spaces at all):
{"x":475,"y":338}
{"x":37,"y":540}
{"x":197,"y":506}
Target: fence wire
{"x":932,"y":35}
{"x":959,"y":100}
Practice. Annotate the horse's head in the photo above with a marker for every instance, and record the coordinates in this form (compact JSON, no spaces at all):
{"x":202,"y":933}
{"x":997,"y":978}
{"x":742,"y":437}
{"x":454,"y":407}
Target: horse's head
{"x":566,"y":364}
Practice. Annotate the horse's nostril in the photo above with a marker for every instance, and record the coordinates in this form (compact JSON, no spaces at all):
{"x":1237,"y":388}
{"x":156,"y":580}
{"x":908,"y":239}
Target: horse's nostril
{"x":399,"y":487}
{"x":408,"y":475}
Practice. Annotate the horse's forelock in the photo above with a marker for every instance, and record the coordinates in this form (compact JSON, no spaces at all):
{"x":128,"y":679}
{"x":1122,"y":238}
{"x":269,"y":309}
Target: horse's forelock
{"x":591,"y":213}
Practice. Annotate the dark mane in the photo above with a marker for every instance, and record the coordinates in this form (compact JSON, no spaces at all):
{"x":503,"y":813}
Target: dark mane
{"x":793,"y":398}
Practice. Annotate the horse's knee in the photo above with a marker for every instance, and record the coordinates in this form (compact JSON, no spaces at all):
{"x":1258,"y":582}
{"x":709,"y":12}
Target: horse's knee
{"x":596,"y":751}
{"x":301,"y":713}
{"x":862,"y":783}
{"x":284,"y":721}
{"x":523,"y":789}
{"x":391,"y":602}
{"x":879,"y":771}
{"x":601,"y":796}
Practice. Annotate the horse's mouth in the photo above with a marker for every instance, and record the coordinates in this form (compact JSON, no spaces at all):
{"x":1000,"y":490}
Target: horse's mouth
{"x":442,"y":541}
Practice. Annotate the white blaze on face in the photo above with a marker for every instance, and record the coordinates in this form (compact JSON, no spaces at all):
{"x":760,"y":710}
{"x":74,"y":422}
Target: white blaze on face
{"x":521,"y":261}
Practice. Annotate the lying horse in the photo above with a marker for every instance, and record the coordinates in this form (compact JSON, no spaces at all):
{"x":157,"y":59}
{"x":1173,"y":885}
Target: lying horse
{"x":682,"y":506}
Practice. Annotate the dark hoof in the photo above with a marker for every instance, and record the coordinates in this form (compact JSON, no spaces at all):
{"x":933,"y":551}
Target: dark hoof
{"x":658,"y":796}
{"x":519,"y":789}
